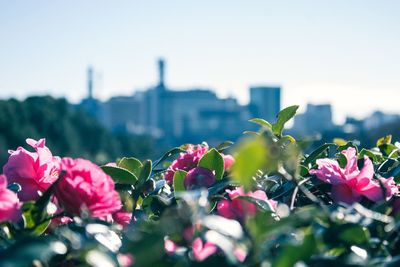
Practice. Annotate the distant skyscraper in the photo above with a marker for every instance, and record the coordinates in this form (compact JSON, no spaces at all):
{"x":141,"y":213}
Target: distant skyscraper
{"x":317,"y":118}
{"x":90,"y":82}
{"x":161,"y":73}
{"x":265,"y":102}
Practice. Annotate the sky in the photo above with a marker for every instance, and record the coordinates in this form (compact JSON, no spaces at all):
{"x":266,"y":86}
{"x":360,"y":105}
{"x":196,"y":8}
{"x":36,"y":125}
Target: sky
{"x":344,"y":52}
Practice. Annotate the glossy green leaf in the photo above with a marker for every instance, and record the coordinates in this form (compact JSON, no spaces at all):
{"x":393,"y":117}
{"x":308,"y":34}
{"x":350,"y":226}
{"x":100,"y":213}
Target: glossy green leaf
{"x":250,"y":156}
{"x":145,"y":172}
{"x":168,"y":154}
{"x":36,"y":219}
{"x":131,"y":164}
{"x":261,"y":122}
{"x":221,"y":185}
{"x":179,"y":178}
{"x":224,"y":145}
{"x":342,"y":160}
{"x":316,"y":154}
{"x":120,"y":175}
{"x":301,"y":250}
{"x":384,"y":140}
{"x":213,"y":161}
{"x":283,"y":116}
{"x":353,"y":234}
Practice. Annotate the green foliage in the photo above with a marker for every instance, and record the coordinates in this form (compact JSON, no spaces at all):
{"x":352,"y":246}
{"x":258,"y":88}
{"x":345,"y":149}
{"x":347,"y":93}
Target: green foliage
{"x":251,"y":156}
{"x":213,"y":161}
{"x":120,"y":175}
{"x":130,"y":164}
{"x":179,"y":177}
{"x":68,"y":131}
{"x":261,"y":122}
{"x":283,"y":116}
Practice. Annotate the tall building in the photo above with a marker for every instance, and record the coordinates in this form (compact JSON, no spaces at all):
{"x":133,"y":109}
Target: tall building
{"x":265,"y":102}
{"x":316,"y":119}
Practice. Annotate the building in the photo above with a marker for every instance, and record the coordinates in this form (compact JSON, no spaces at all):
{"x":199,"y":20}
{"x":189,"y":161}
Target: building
{"x":316,"y":119}
{"x":265,"y":102}
{"x":174,"y":117}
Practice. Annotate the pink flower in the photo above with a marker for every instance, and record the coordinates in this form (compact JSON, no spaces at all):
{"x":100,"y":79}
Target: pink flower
{"x":34,"y":171}
{"x":202,"y":251}
{"x":86,"y":186}
{"x":228,"y":161}
{"x":9,"y":203}
{"x":170,"y":247}
{"x":125,"y":260}
{"x":199,"y":177}
{"x":240,"y":254}
{"x":240,"y":208}
{"x":186,"y":161}
{"x":350,"y":184}
{"x":122,"y":217}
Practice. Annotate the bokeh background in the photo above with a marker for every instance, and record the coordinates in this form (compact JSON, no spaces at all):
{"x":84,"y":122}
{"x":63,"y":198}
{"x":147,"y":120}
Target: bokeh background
{"x":102,"y":79}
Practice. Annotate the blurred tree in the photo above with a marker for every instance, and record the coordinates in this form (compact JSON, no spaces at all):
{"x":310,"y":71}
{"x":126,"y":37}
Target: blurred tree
{"x":68,"y":131}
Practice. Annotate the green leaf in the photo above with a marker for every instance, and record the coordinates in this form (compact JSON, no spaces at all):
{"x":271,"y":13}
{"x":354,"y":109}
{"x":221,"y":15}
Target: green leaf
{"x":346,"y":146}
{"x":339,"y":141}
{"x":303,"y":171}
{"x":168,"y":154}
{"x":251,"y":133}
{"x":301,"y":250}
{"x":342,"y":160}
{"x":224,"y":145}
{"x":316,"y":154}
{"x":213,"y":161}
{"x":220,"y":185}
{"x":179,"y":178}
{"x":145,"y":171}
{"x":353,"y":234}
{"x":283,"y":116}
{"x":389,"y":150}
{"x":384,"y":140}
{"x":36,"y":218}
{"x":375,"y":156}
{"x":131,"y":164}
{"x":261,"y":122}
{"x":120,"y":175}
{"x":262,"y":204}
{"x":250,"y":156}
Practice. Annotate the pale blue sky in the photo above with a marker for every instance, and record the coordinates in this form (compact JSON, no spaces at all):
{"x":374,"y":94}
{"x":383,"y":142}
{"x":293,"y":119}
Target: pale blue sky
{"x":346,"y":52}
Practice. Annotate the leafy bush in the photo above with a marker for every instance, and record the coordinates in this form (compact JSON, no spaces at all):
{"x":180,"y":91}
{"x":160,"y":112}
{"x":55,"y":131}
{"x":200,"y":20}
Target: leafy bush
{"x":263,"y":204}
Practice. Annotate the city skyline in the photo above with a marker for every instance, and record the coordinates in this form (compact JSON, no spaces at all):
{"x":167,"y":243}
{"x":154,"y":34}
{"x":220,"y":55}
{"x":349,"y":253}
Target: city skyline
{"x":341,"y":53}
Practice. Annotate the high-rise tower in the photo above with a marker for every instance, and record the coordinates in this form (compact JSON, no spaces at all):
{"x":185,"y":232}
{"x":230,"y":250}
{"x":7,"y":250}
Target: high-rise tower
{"x":161,"y":73}
{"x":90,"y":82}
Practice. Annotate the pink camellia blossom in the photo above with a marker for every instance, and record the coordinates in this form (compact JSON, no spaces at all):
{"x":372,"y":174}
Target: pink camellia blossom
{"x":240,"y":208}
{"x":170,"y":246}
{"x":349,"y":184}
{"x":186,"y":161}
{"x":34,"y":171}
{"x":125,"y":260}
{"x":199,"y":177}
{"x":9,"y":203}
{"x":85,"y":186}
{"x":240,"y":254}
{"x":122,"y":217}
{"x":202,"y":251}
{"x":228,"y":161}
